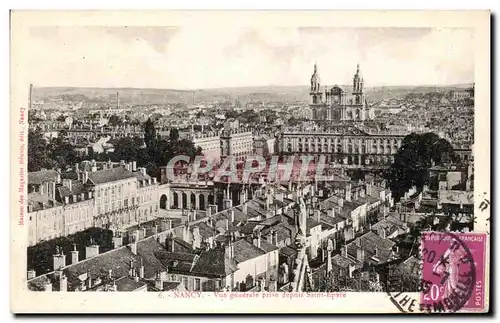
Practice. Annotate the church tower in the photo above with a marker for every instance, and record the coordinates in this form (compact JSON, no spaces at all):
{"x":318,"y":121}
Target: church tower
{"x":357,"y":88}
{"x":315,"y":91}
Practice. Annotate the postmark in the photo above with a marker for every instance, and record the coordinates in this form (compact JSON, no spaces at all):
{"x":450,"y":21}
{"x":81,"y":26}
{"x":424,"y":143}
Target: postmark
{"x":453,"y":272}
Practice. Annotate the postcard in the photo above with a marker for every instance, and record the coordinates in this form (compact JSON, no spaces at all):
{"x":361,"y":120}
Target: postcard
{"x":250,"y":162}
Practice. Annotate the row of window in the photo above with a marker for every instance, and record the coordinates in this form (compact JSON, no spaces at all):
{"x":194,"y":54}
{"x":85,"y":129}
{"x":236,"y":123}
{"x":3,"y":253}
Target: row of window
{"x":349,"y":140}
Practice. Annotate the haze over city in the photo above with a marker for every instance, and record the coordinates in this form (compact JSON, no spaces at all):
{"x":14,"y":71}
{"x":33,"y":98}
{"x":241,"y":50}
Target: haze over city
{"x":215,"y":57}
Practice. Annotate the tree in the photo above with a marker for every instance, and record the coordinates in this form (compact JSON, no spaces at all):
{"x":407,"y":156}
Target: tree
{"x":150,"y":137}
{"x":115,"y":120}
{"x":38,"y":156}
{"x":61,"y":151}
{"x":417,"y":154}
{"x":129,"y":149}
{"x":173,"y":135}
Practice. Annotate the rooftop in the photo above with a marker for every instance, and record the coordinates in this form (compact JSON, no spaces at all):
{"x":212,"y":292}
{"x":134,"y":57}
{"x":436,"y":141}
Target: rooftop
{"x":110,"y":175}
{"x":42,"y":176}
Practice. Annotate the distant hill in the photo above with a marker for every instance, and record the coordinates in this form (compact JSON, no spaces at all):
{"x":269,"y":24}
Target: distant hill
{"x":243,"y":94}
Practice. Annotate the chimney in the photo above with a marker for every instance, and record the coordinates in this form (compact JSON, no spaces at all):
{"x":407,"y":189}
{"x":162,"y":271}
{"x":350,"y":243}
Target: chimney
{"x":231,"y":213}
{"x":110,"y":274}
{"x":274,"y":238}
{"x":154,"y":230}
{"x":59,"y":259}
{"x":260,"y":284}
{"x":245,"y":208}
{"x":194,"y":215}
{"x":343,"y":251}
{"x":329,"y":265}
{"x":117,"y":241}
{"x":159,"y":281}
{"x":256,"y":240}
{"x":91,"y":251}
{"x":229,"y":250}
{"x":358,"y":242}
{"x":227,"y":224}
{"x":382,"y":233}
{"x":134,"y":166}
{"x":273,"y":285}
{"x":47,"y":287}
{"x":360,"y":254}
{"x":133,"y":244}
{"x":317,"y":215}
{"x":31,"y":274}
{"x":376,"y":252}
{"x":66,"y":200}
{"x":141,"y":270}
{"x":348,"y":189}
{"x":74,"y":255}
{"x":63,"y":283}
{"x":85,"y":177}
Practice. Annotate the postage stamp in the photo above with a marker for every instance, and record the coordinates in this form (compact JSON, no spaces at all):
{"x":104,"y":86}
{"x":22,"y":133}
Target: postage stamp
{"x":453,"y":271}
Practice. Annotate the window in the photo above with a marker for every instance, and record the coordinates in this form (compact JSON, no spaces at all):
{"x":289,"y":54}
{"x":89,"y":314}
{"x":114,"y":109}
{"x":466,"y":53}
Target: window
{"x":197,"y":284}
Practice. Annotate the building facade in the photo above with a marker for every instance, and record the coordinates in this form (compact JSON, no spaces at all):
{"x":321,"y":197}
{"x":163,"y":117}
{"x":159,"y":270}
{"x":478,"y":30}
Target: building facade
{"x":346,"y":145}
{"x":335,"y":104}
{"x":238,"y":144}
{"x":210,"y":143}
{"x":116,"y":196}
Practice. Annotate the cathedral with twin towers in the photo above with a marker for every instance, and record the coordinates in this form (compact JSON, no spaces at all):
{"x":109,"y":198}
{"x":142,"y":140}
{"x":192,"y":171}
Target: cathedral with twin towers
{"x":335,"y":104}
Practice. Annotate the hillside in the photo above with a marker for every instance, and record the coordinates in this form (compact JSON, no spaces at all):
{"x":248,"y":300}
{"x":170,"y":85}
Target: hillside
{"x":244,"y":94}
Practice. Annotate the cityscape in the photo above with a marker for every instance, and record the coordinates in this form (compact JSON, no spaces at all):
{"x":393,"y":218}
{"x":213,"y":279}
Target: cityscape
{"x":314,"y":188}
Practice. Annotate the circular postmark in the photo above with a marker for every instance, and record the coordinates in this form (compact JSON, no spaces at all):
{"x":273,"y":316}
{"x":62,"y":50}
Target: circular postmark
{"x":446,"y":277}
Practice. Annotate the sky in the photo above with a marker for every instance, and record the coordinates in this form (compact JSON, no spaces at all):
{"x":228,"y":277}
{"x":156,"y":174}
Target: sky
{"x":214,"y":56}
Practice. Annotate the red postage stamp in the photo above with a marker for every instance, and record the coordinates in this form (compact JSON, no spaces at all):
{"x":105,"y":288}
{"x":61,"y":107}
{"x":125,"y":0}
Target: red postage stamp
{"x":453,"y":272}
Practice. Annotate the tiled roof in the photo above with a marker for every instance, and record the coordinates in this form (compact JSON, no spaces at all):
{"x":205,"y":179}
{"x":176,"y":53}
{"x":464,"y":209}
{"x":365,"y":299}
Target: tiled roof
{"x":182,"y":246}
{"x":39,"y":202}
{"x":140,"y":176}
{"x":311,"y":223}
{"x":214,"y":262}
{"x":110,"y":175}
{"x":146,"y":250}
{"x":128,"y":284}
{"x":77,"y":187}
{"x":288,"y":250}
{"x":206,"y":231}
{"x":267,"y":247}
{"x":118,"y":260}
{"x":176,"y":262}
{"x":244,"y":250}
{"x":369,"y":242}
{"x":42,"y":176}
{"x":340,"y":261}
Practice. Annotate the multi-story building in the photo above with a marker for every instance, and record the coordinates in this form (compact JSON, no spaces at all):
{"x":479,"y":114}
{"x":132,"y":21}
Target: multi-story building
{"x":237,"y":143}
{"x":335,"y":104}
{"x":210,"y":143}
{"x":116,"y":196}
{"x":348,"y":145}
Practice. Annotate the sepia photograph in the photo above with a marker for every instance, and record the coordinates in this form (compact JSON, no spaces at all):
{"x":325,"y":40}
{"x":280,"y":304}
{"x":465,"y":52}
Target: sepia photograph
{"x":253,"y":161}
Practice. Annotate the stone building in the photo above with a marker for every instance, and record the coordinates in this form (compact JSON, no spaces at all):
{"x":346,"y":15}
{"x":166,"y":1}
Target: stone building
{"x":335,"y":104}
{"x":349,"y":145}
